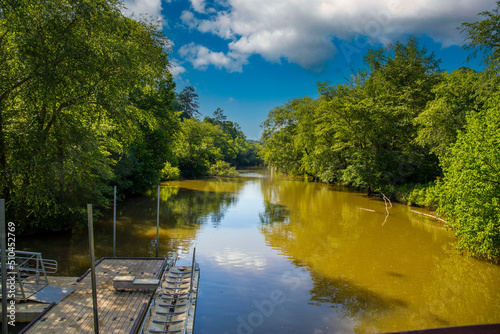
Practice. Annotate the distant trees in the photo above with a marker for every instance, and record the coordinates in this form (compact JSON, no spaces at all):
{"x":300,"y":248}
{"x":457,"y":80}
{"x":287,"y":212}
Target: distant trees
{"x":202,"y":144}
{"x":401,"y":124}
{"x":188,"y":102}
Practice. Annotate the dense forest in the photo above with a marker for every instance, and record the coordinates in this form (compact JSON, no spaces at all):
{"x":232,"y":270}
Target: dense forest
{"x":404,"y":128}
{"x":87,"y":102}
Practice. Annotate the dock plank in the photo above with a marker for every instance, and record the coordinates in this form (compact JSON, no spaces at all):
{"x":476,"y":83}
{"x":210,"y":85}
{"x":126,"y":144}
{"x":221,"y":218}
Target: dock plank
{"x":116,"y":308}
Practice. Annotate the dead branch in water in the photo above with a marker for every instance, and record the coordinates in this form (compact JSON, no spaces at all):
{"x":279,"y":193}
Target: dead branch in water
{"x":370,"y":210}
{"x":431,"y":216}
{"x":386,"y":199}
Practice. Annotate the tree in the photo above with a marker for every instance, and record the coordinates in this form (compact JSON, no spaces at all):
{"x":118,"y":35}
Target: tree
{"x":459,"y":93}
{"x":66,"y":69}
{"x":369,"y":122}
{"x":233,"y":129}
{"x":361,"y":133}
{"x":483,"y":36}
{"x":188,"y":100}
{"x":198,"y":146}
{"x":470,"y":192}
{"x":139,"y":166}
{"x":280,"y":130}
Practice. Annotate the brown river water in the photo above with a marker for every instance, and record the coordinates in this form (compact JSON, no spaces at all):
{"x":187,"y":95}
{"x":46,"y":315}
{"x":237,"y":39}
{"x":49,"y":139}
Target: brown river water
{"x":288,"y":256}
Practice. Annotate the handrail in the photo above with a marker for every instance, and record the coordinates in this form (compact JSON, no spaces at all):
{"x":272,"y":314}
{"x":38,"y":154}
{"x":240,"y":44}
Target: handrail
{"x":31,"y":267}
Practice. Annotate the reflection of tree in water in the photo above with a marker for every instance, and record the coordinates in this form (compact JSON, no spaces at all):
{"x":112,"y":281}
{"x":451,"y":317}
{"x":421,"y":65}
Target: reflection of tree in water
{"x":189,"y":207}
{"x":273,"y":213}
{"x":386,"y":278}
{"x":182,"y":212}
{"x":314,"y":246}
{"x":459,"y":287}
{"x":351,"y":301}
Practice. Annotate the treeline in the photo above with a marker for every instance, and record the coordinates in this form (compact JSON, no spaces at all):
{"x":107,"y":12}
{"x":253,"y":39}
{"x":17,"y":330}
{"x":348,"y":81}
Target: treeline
{"x":403,"y":127}
{"x":86,"y":103}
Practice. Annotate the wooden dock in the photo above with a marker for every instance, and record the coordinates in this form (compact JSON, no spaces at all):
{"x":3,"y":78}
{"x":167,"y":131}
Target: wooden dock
{"x":119,"y":311}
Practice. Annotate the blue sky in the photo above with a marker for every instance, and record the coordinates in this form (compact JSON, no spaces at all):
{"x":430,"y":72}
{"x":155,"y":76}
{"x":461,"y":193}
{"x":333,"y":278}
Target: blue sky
{"x":249,"y":56}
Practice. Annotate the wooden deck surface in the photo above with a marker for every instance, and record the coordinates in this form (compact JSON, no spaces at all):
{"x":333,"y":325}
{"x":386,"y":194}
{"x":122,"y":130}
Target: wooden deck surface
{"x":118,"y":310}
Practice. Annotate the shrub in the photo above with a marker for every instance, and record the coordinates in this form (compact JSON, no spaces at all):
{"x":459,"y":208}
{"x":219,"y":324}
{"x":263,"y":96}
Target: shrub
{"x":222,"y":168}
{"x":423,"y":195}
{"x":170,"y":172}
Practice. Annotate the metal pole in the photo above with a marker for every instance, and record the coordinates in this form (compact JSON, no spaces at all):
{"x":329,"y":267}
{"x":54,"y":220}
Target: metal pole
{"x":4,"y":267}
{"x":157,"y":221}
{"x":92,"y":269}
{"x":193,"y":268}
{"x":114,"y":225}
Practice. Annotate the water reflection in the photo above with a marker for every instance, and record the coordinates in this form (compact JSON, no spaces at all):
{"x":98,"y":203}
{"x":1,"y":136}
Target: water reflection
{"x":234,"y":258}
{"x":386,"y":273}
{"x":341,"y":264}
{"x":184,"y":208}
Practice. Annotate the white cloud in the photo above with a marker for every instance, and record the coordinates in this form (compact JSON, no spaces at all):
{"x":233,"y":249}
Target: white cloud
{"x":201,"y":57}
{"x":198,"y":5}
{"x":176,"y":68}
{"x":144,"y":7}
{"x":302,"y":31}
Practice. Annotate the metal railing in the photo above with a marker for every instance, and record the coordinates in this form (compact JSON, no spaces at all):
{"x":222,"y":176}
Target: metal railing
{"x":31,"y":271}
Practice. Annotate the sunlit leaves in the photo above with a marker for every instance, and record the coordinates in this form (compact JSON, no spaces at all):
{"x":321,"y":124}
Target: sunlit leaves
{"x":461,"y":92}
{"x":67,"y":68}
{"x":471,"y":187}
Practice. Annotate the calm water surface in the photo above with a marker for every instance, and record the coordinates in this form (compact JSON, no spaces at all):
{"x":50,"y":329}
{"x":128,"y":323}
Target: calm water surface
{"x":286,"y":256}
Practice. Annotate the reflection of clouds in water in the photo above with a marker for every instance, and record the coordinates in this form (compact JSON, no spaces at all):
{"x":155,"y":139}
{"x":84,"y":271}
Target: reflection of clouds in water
{"x":239,"y":259}
{"x":251,"y":174}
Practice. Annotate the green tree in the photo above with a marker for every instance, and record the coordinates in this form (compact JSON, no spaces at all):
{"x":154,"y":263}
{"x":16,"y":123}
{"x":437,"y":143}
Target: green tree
{"x":483,"y":36}
{"x":66,"y":68}
{"x":139,"y":166}
{"x":470,"y":192}
{"x":198,"y":146}
{"x":368,"y":124}
{"x":280,"y":131}
{"x":458,"y":94}
{"x":245,"y":153}
{"x":188,"y":102}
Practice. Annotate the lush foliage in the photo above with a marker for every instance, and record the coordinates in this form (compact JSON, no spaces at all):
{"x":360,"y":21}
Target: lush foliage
{"x":471,"y":187}
{"x":65,"y":69}
{"x":86,"y":103}
{"x":403,"y":127}
{"x":361,"y":133}
{"x":222,"y":168}
{"x":201,"y":144}
{"x":170,"y":172}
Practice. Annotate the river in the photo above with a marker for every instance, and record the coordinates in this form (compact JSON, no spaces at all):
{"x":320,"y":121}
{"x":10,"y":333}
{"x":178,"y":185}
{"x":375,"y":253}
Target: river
{"x":287,"y":256}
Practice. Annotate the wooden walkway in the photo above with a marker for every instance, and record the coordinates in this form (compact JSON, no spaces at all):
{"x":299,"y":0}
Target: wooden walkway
{"x":119,"y":311}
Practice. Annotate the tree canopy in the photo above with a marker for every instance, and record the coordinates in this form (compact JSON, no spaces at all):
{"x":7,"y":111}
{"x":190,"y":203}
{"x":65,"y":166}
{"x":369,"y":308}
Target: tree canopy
{"x":404,"y":127}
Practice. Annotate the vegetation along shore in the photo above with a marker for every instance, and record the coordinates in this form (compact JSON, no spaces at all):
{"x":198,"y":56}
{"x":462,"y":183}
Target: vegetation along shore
{"x":87,"y":102}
